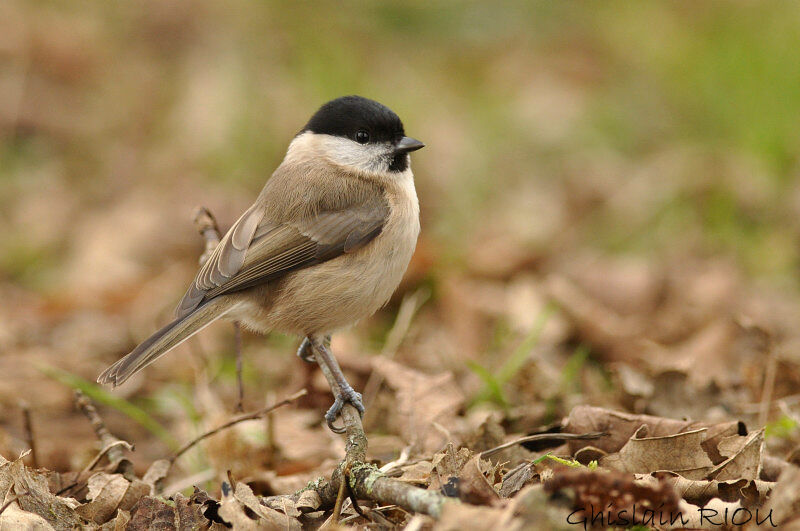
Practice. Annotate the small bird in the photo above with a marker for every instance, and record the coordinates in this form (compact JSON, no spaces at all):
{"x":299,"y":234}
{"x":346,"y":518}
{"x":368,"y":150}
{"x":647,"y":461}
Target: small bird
{"x":325,"y":244}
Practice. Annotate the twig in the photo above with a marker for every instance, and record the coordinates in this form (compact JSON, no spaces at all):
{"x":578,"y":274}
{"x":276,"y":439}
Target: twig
{"x":237,"y":341}
{"x":366,"y":480}
{"x":128,"y":446}
{"x":111,"y":445}
{"x":544,"y":437}
{"x":29,"y":438}
{"x":337,"y":507}
{"x":109,"y":441}
{"x":12,"y":500}
{"x":207,"y":226}
{"x":241,"y":418}
{"x":755,"y":407}
{"x":106,"y":449}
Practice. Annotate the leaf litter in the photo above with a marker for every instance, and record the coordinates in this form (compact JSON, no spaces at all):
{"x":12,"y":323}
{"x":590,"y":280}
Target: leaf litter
{"x":688,"y":366}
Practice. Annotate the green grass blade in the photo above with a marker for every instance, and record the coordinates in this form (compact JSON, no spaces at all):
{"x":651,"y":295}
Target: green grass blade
{"x":102,"y":396}
{"x":492,"y":390}
{"x":520,"y":356}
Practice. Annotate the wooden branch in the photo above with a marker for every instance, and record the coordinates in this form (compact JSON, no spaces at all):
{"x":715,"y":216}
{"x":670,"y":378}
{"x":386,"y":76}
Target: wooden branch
{"x":112,"y":446}
{"x":29,"y":437}
{"x":366,"y":480}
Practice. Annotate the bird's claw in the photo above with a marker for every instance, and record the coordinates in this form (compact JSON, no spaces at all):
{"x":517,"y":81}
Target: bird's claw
{"x":306,"y":351}
{"x":346,"y":395}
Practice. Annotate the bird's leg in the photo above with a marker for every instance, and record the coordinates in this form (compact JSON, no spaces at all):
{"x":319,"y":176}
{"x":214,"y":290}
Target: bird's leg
{"x":342,"y":391}
{"x":306,"y":352}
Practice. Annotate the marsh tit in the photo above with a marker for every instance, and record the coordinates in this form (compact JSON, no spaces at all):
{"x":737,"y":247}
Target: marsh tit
{"x":324,"y":245}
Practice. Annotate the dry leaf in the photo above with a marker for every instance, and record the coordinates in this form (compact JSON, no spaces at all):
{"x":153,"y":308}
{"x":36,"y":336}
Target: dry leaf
{"x":423,"y":401}
{"x":152,"y":513}
{"x":16,"y":478}
{"x":700,"y":491}
{"x":119,"y":523}
{"x":418,"y":473}
{"x":514,"y":480}
{"x":743,"y":457}
{"x":785,"y":500}
{"x":459,"y":516}
{"x":613,"y":493}
{"x":308,"y":501}
{"x":109,"y":492}
{"x":716,"y":514}
{"x":242,"y":509}
{"x":680,"y":453}
{"x":270,"y":516}
{"x":620,"y":427}
{"x":448,"y":464}
{"x":154,"y":477}
{"x":473,"y":487}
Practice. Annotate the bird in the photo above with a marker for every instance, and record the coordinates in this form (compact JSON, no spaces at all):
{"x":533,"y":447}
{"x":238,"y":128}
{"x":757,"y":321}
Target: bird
{"x":324,"y":245}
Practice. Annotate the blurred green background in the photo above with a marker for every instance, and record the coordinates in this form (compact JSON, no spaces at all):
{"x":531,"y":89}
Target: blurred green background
{"x":695,"y":106}
{"x":654,"y":130}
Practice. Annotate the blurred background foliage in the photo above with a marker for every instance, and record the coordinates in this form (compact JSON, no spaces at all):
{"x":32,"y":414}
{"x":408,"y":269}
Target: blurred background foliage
{"x":660,"y":132}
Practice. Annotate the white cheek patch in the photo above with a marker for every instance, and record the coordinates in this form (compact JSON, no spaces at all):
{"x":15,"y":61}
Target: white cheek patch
{"x":368,"y":158}
{"x":373,"y":158}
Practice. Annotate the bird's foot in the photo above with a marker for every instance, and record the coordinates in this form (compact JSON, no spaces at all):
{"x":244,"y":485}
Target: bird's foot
{"x":306,"y":351}
{"x":345,"y":395}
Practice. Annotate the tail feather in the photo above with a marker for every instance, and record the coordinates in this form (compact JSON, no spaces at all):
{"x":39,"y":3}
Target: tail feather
{"x":165,"y":340}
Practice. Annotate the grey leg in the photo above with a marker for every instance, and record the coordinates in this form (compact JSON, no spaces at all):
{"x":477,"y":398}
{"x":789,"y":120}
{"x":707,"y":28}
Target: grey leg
{"x":306,"y":351}
{"x":342,"y":391}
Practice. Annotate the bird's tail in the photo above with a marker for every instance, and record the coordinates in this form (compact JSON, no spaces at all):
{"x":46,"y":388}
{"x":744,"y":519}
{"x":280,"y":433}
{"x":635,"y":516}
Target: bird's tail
{"x":165,"y":340}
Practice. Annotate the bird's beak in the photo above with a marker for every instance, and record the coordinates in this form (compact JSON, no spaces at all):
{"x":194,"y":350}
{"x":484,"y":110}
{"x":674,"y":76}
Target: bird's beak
{"x":408,"y":144}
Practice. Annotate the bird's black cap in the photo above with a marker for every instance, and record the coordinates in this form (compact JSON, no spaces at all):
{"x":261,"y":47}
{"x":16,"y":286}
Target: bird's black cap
{"x":348,"y":115}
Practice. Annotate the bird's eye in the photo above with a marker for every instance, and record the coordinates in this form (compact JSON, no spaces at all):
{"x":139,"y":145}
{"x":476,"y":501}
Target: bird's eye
{"x":362,"y":137}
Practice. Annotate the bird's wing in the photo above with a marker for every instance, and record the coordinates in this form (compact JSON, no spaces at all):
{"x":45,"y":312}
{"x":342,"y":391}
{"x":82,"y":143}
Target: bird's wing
{"x":256,"y":250}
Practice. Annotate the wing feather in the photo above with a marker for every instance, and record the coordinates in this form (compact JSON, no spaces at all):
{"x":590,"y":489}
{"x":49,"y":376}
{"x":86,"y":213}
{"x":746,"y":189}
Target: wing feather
{"x":257,"y":250}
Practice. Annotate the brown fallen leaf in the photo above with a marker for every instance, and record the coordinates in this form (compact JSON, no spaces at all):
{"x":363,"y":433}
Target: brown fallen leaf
{"x":613,"y":336}
{"x":152,"y":513}
{"x":156,"y":472}
{"x":621,"y":426}
{"x":119,"y":523}
{"x":679,"y":453}
{"x":613,"y":493}
{"x":473,"y":486}
{"x":785,"y":500}
{"x":14,"y":517}
{"x":515,"y":479}
{"x":448,"y":464}
{"x":716,"y":434}
{"x":425,"y":403}
{"x":418,"y":473}
{"x":538,"y":510}
{"x":460,"y":516}
{"x":716,"y":514}
{"x":16,"y":479}
{"x":109,"y":492}
{"x":699,"y":491}
{"x":743,"y":457}
{"x":241,"y":508}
